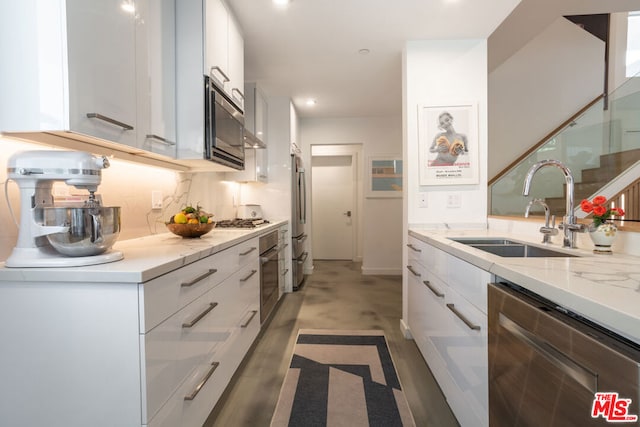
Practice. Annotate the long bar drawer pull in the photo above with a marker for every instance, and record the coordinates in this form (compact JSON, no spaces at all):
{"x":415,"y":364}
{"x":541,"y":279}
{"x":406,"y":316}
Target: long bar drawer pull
{"x":199,"y":317}
{"x":247,"y":252}
{"x":160,"y":139}
{"x":201,"y":384}
{"x":413,"y":248}
{"x":580,"y":374}
{"x":415,"y":273}
{"x":466,"y":321}
{"x":249,"y":276}
{"x":199,"y":278}
{"x":433,"y":289}
{"x":253,"y":314}
{"x":109,"y":120}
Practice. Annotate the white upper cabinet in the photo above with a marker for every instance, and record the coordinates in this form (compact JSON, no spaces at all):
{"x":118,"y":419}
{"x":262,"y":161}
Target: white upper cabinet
{"x":224,"y":50}
{"x":236,"y":61}
{"x":156,"y":76}
{"x":69,"y":66}
{"x":202,"y":49}
{"x":255,"y":112}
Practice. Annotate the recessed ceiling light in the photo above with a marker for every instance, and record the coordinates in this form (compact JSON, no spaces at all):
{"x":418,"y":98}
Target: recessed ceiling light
{"x":364,"y":51}
{"x":281,"y":2}
{"x":311,"y":102}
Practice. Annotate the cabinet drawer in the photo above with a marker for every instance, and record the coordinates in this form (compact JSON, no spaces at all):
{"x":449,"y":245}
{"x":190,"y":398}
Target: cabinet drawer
{"x":463,"y":349}
{"x":212,"y":375}
{"x":469,"y":280}
{"x":178,"y":344}
{"x":242,"y":253}
{"x":164,"y":296}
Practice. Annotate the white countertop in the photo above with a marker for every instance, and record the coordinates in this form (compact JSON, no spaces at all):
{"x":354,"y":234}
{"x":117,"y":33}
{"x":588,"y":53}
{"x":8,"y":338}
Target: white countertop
{"x":602,"y":288}
{"x":145,"y":258}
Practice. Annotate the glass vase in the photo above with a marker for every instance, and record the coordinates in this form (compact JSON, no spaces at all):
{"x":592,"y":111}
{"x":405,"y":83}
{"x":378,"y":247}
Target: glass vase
{"x":603,"y":237}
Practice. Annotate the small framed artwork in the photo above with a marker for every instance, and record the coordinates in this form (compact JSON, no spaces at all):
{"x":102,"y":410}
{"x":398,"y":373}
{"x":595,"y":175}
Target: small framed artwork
{"x":448,"y":144}
{"x":384,"y":176}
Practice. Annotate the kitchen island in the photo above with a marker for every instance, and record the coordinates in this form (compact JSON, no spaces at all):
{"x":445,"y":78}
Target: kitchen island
{"x":151,"y":340}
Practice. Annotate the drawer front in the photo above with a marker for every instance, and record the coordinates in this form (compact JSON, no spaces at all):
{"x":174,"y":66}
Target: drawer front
{"x":463,"y":348}
{"x":176,"y":346}
{"x":470,"y":281}
{"x":428,"y":315}
{"x":242,"y":253}
{"x":207,"y":381}
{"x":435,"y":260}
{"x":164,"y":296}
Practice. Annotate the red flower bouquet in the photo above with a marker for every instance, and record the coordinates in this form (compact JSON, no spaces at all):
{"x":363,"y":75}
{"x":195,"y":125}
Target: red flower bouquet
{"x":601,"y":213}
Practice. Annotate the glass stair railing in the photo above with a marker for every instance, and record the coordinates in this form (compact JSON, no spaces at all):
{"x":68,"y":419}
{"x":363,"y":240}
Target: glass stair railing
{"x":598,"y":146}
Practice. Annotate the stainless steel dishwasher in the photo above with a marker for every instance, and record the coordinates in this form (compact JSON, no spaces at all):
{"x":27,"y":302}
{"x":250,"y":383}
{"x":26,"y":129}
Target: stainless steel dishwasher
{"x":551,"y":367}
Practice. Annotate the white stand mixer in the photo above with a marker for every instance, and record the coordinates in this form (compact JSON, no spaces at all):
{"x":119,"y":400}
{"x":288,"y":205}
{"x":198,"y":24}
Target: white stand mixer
{"x":51,"y":236}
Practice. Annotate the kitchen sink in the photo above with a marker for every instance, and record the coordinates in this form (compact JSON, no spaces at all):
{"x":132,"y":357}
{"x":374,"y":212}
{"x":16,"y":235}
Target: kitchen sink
{"x":484,"y":241}
{"x":510,"y":248}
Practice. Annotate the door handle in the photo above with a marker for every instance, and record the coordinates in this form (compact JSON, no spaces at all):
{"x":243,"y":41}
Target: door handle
{"x":347,"y":213}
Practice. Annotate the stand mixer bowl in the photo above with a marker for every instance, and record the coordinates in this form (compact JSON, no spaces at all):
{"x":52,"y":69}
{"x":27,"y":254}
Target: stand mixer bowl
{"x":92,"y":230}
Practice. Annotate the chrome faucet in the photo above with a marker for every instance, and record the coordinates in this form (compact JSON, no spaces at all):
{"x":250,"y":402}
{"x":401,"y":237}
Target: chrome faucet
{"x":568,"y":224}
{"x":547,"y":230}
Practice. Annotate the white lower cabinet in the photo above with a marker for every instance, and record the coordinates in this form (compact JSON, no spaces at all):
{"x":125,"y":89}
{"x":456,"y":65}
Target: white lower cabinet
{"x":158,"y":353}
{"x":449,"y":324}
{"x":207,"y":340}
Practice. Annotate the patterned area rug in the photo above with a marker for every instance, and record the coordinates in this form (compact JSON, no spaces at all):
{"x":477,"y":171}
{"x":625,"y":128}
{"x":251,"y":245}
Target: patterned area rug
{"x":341,"y":378}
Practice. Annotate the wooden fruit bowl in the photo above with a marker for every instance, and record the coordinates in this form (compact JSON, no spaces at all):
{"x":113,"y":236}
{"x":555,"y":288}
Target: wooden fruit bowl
{"x":190,"y":230}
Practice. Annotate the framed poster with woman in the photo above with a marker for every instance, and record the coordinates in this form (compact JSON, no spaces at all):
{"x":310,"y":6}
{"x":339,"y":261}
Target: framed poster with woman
{"x":448,"y":144}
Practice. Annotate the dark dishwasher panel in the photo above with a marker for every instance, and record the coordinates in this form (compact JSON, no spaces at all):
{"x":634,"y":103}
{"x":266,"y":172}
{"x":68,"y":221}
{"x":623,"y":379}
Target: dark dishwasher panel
{"x":546,"y":365}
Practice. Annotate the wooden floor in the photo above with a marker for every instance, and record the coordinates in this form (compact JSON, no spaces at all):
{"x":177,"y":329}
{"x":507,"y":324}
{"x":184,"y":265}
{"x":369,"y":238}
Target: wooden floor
{"x":336,"y":296}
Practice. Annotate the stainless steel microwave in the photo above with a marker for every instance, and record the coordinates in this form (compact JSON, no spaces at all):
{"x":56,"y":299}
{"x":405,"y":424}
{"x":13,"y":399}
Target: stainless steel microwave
{"x":223,"y":128}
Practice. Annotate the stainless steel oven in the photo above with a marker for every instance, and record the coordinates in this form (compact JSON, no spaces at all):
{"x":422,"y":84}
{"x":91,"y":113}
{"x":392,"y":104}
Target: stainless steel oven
{"x":269,"y":273}
{"x":551,"y":367}
{"x":224,"y":128}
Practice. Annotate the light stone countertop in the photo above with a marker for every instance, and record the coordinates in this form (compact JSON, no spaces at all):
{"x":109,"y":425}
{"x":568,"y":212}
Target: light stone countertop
{"x":145,"y":258}
{"x":602,"y":288}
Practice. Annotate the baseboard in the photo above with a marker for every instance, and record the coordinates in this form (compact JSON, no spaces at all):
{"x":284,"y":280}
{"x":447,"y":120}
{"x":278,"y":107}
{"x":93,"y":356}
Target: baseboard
{"x":382,"y":271}
{"x":404,"y":328}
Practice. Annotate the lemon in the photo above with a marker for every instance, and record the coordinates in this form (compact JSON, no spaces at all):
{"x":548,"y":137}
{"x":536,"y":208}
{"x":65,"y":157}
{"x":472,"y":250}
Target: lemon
{"x":180,"y":218}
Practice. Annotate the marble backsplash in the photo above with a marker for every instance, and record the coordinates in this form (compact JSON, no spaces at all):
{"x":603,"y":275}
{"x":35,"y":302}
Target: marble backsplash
{"x":129,"y":186}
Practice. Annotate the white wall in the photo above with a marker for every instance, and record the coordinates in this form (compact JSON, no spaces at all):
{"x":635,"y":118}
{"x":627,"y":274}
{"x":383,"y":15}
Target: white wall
{"x":380,"y":219}
{"x":541,"y":86}
{"x":445,"y":72}
{"x":441,"y":73}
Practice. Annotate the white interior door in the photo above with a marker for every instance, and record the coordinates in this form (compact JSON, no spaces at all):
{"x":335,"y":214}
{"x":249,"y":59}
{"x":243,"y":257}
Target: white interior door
{"x":332,"y":207}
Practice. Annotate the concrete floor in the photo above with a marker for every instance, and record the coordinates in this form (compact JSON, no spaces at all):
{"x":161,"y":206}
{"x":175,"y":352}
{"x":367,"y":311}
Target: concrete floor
{"x":336,"y":296}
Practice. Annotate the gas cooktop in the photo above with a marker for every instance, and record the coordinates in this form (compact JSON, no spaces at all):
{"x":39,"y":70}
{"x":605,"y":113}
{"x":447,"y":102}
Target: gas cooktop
{"x":241,"y":223}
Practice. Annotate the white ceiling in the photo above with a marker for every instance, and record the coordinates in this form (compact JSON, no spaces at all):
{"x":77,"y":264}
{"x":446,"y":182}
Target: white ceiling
{"x":310,"y":49}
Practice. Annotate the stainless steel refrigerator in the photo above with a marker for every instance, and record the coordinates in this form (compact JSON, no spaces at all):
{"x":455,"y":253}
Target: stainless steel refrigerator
{"x":298,"y":219}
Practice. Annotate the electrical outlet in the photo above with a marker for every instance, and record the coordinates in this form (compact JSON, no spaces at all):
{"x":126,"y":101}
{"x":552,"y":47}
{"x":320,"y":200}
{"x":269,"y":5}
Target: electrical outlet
{"x":454,"y":200}
{"x":156,"y":199}
{"x":422,"y":200}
